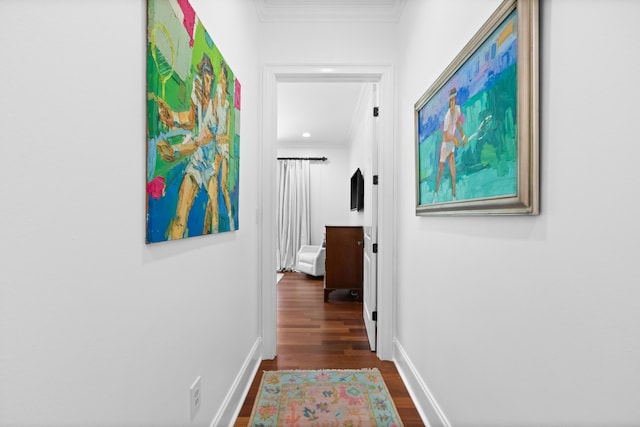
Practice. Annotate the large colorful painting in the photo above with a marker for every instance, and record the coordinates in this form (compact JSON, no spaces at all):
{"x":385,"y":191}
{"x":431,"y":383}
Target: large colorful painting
{"x":476,"y":137}
{"x":193,"y":128}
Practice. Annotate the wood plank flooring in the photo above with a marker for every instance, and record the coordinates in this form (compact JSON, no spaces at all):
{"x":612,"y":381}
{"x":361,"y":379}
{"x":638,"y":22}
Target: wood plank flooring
{"x":313,"y":334}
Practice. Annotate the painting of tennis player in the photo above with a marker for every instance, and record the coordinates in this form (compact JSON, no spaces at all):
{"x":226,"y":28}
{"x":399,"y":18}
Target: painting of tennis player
{"x":466,"y":132}
{"x":193,"y":128}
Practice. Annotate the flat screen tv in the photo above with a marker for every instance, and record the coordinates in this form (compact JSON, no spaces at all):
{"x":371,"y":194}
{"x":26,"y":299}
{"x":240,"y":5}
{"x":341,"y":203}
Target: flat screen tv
{"x":357,"y":191}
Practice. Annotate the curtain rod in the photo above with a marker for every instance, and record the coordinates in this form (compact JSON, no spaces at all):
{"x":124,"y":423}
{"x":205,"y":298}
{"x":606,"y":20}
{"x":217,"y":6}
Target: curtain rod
{"x":303,"y":158}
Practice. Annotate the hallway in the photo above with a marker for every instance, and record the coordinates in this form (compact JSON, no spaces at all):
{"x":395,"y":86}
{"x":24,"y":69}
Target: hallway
{"x":317,"y":335}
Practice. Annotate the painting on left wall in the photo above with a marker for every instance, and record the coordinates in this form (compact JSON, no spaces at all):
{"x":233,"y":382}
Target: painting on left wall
{"x":193,"y":128}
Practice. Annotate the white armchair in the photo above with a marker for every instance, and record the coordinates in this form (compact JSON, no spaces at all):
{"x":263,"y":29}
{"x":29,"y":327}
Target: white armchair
{"x":310,"y":260}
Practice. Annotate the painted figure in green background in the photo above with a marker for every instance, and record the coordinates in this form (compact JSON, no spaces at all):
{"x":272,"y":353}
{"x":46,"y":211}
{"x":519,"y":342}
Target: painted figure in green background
{"x":199,"y":172}
{"x":452,"y":122}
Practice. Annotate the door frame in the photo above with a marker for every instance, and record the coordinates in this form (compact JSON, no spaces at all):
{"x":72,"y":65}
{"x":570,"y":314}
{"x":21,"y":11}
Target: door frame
{"x":266,"y":216}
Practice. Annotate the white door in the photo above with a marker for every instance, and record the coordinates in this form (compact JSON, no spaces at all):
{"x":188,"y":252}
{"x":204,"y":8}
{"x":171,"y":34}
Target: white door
{"x":369,"y":291}
{"x":370,"y":264}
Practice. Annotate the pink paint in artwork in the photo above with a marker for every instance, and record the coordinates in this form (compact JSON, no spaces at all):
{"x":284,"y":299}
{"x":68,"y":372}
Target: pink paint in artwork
{"x":156,"y":187}
{"x":189,"y":20}
{"x":236,"y":98}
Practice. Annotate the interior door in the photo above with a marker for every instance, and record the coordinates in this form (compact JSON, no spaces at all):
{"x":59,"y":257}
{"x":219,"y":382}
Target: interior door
{"x":370,"y":265}
{"x":369,"y":290}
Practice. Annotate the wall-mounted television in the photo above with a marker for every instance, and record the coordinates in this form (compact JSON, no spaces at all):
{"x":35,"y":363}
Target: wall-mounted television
{"x":357,"y":191}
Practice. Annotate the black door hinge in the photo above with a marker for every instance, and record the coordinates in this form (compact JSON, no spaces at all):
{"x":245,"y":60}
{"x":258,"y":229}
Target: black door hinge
{"x":375,"y":179}
{"x":374,"y":316}
{"x":376,"y":111}
{"x":375,"y":248}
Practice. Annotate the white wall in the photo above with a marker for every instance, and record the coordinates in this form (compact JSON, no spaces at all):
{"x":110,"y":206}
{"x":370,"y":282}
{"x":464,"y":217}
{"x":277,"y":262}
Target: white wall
{"x":514,"y":321}
{"x":329,"y":187}
{"x":319,"y":43}
{"x":97,"y":328}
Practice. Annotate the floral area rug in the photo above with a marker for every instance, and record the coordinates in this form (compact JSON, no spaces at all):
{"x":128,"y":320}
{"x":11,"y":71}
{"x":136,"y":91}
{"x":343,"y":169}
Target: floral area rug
{"x":324,"y":398}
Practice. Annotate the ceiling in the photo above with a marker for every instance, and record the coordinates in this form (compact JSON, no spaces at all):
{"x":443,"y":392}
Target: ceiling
{"x":324,"y":109}
{"x":329,"y":10}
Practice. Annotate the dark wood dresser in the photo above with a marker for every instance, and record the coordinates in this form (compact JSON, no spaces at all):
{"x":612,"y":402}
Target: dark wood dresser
{"x":343,"y":264}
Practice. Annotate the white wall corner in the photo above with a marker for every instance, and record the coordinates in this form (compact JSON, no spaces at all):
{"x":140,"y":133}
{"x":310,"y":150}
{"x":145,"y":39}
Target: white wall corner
{"x":234,"y":400}
{"x":428,"y":408}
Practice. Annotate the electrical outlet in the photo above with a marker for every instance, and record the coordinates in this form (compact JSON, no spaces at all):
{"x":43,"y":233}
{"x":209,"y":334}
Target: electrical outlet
{"x":195,"y":397}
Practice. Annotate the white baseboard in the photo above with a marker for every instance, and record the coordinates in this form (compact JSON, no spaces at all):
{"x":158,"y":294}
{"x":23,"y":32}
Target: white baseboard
{"x":234,"y":400}
{"x":427,"y":407}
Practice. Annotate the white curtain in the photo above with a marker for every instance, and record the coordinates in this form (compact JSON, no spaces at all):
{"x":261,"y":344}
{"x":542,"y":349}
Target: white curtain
{"x":293,"y":211}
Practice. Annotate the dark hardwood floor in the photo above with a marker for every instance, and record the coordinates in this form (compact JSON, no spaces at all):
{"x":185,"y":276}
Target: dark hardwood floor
{"x":313,"y":334}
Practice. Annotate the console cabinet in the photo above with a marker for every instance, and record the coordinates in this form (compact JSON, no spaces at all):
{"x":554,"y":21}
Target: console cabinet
{"x":343,"y":262}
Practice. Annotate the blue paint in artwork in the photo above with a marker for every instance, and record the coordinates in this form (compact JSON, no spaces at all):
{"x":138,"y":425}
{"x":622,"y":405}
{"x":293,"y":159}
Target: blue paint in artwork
{"x":162,"y":210}
{"x":208,"y":40}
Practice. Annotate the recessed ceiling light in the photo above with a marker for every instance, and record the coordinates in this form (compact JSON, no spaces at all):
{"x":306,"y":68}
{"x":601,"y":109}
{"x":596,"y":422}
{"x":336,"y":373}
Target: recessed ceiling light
{"x":306,"y":135}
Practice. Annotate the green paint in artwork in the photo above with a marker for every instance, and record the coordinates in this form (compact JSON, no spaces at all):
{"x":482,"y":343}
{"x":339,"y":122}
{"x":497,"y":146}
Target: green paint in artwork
{"x":488,"y":156}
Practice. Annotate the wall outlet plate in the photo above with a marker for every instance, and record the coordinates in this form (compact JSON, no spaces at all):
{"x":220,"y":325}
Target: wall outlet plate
{"x":195,"y":397}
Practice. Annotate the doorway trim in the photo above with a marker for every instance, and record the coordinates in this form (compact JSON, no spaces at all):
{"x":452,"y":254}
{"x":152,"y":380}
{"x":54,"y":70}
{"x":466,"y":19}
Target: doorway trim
{"x":383,"y":75}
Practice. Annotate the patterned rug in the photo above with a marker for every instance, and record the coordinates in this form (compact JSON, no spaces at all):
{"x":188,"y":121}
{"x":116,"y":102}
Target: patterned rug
{"x":324,"y":398}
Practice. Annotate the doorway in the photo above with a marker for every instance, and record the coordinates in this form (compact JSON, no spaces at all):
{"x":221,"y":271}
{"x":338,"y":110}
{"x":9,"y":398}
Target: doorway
{"x":383,"y":76}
